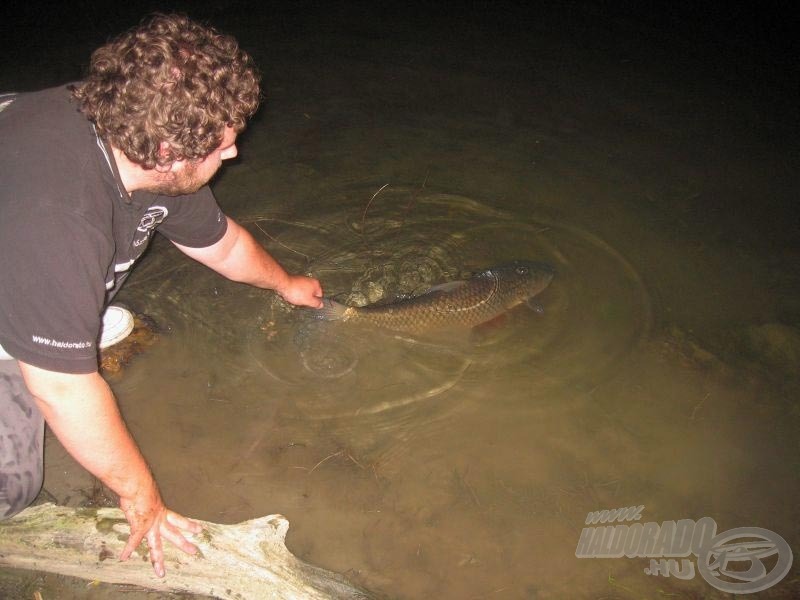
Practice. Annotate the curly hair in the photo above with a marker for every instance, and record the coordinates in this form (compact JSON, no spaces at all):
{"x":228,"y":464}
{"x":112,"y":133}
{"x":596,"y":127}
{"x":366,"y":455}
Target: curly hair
{"x":169,"y":80}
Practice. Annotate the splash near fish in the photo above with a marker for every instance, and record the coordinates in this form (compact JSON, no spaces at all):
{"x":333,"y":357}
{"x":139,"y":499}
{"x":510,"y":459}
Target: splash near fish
{"x":456,"y":304}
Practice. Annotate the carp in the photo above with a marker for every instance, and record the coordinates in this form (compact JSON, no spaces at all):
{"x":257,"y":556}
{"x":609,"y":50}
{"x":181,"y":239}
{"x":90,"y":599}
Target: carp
{"x":451,"y":305}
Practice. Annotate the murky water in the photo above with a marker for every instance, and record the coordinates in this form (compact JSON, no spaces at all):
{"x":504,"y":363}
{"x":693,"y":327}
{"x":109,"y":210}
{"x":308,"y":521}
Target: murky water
{"x":662,"y":372}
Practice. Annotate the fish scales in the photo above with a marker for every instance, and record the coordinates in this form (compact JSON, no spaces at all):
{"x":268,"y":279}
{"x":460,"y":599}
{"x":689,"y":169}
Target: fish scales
{"x":475,"y":302}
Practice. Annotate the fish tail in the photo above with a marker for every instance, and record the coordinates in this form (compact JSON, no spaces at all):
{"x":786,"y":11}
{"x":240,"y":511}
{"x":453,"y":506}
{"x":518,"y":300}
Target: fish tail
{"x":331,"y":310}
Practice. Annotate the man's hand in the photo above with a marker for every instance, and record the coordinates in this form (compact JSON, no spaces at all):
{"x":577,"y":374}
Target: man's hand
{"x":150,"y":519}
{"x":82,"y":411}
{"x":302,"y":291}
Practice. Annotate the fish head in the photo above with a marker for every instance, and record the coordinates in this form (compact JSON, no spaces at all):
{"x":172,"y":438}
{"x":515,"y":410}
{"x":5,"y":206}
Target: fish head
{"x":521,"y":280}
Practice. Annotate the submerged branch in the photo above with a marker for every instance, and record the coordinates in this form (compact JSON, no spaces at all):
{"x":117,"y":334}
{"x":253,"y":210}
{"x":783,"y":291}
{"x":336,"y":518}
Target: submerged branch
{"x":248,"y":560}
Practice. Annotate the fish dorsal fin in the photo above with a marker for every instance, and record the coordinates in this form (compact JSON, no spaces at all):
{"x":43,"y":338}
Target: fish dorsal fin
{"x":444,"y":288}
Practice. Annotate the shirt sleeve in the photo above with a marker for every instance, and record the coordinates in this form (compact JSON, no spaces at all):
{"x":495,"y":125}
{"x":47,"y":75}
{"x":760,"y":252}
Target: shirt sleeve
{"x":195,"y":220}
{"x":52,"y":288}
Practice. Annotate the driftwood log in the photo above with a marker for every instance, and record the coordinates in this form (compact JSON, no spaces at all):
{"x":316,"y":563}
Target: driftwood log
{"x":245,"y":561}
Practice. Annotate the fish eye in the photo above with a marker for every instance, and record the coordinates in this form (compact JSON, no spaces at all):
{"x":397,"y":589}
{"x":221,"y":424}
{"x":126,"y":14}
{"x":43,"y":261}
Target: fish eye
{"x":522,"y":270}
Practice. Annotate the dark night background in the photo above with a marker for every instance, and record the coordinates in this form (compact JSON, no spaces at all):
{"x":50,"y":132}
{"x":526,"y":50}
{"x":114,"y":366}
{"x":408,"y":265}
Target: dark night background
{"x":746,"y":52}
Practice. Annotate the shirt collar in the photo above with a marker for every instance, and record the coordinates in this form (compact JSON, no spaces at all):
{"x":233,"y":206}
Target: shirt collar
{"x":112,"y":165}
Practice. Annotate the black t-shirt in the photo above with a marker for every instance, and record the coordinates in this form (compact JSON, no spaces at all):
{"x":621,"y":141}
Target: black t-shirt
{"x":69,"y":232}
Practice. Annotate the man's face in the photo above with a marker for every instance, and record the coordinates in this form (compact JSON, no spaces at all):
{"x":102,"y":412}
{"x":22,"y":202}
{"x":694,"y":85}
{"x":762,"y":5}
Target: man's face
{"x":186,"y":177}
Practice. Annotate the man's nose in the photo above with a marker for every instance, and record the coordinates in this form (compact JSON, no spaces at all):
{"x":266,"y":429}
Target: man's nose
{"x":231,"y":152}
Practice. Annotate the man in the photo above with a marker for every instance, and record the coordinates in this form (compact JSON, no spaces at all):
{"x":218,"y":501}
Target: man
{"x":87,"y":172}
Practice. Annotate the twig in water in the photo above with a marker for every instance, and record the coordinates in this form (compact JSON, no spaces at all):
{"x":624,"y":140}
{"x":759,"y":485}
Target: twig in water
{"x":366,"y":208}
{"x":324,"y":460}
{"x":341,"y":452}
{"x":414,"y":193}
{"x":261,"y":229}
{"x":697,"y":407}
{"x":350,"y":456}
{"x":612,"y":581}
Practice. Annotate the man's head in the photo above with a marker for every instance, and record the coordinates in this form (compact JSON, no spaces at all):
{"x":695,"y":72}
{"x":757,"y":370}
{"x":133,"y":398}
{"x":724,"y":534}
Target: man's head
{"x":169,"y":90}
{"x":188,"y":176}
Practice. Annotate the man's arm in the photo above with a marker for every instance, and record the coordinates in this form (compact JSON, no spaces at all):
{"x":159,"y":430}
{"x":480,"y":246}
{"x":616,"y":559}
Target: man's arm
{"x":82,"y":412}
{"x":239,"y":257}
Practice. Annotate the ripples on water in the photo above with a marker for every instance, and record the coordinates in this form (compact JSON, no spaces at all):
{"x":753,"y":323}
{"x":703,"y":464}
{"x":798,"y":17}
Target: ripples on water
{"x":370,"y":247}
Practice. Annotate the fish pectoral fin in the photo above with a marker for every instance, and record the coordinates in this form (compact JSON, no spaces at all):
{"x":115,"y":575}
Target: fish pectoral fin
{"x":492,"y":324}
{"x":489,"y":330}
{"x":535,"y":306}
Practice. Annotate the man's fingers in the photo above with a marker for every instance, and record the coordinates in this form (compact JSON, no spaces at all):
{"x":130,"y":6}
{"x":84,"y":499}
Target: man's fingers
{"x":182,"y":522}
{"x":156,"y":552}
{"x":171,"y":534}
{"x":134,"y":539}
{"x":171,"y":530}
{"x":169,"y":526}
{"x":303,"y":291}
